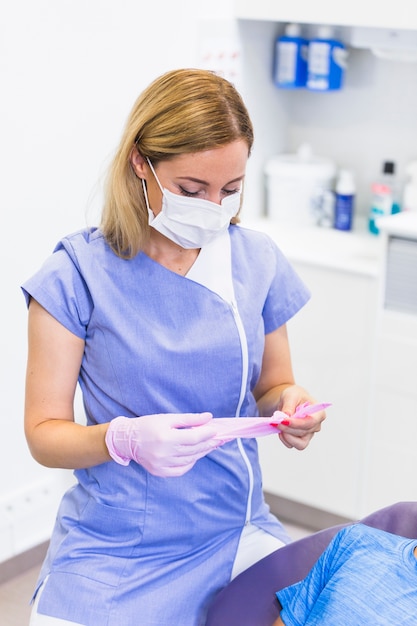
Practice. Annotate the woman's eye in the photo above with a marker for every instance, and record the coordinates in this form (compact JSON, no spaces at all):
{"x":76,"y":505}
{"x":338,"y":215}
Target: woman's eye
{"x":186,"y":192}
{"x":192,"y":194}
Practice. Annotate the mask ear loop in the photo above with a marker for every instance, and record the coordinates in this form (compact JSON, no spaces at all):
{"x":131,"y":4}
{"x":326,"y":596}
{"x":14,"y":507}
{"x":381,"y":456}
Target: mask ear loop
{"x":151,"y":215}
{"x":145,"y":193}
{"x":154,"y":173}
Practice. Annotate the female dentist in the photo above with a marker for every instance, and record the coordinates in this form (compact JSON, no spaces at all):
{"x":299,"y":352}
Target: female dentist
{"x":168,"y":315}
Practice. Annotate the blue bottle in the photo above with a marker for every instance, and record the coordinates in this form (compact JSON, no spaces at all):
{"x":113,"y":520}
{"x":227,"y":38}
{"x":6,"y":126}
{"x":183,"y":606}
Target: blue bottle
{"x":344,"y":201}
{"x":326,"y":62}
{"x":291,"y":51}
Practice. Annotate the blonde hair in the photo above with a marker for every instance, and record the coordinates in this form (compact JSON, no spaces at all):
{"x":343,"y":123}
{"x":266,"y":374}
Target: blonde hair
{"x":182,"y":111}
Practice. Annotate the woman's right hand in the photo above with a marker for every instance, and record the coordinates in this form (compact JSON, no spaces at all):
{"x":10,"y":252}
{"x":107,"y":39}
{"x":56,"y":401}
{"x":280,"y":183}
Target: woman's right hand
{"x":166,"y":445}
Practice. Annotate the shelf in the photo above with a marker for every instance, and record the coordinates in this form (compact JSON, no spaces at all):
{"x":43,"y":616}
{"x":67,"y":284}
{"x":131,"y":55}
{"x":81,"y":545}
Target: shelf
{"x":398,"y":15}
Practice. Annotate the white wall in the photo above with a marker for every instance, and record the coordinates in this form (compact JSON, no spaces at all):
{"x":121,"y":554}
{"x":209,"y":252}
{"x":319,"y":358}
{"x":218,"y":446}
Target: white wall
{"x":372,"y":119}
{"x":70,"y":71}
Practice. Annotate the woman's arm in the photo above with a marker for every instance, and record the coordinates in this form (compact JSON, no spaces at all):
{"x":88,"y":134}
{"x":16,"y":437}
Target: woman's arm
{"x":276,"y":390}
{"x":276,"y":374}
{"x":54,"y":360}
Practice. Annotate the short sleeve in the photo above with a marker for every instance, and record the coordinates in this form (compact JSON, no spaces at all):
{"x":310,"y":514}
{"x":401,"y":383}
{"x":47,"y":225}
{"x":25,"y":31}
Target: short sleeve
{"x":298,"y":600}
{"x":287,"y":293}
{"x":59,"y":287}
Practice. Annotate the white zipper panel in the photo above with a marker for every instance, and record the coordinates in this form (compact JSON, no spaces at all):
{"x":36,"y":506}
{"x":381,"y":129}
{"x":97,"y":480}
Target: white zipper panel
{"x":245,"y":372}
{"x":213,"y":269}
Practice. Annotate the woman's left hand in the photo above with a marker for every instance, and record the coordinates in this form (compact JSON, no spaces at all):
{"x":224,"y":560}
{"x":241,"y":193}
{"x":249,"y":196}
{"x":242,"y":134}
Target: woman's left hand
{"x":298,"y":432}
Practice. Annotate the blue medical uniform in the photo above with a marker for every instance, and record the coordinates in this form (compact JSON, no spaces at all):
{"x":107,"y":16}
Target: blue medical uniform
{"x":130,"y":548}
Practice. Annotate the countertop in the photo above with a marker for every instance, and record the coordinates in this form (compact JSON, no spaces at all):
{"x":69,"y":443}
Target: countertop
{"x":355,"y":251}
{"x":401,"y":224}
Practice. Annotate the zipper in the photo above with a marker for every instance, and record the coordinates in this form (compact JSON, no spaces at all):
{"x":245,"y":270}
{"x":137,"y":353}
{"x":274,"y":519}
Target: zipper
{"x":245,"y":372}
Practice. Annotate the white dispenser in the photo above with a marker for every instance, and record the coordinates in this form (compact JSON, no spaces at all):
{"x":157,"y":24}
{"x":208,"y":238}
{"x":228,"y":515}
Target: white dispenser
{"x":326,"y":61}
{"x":291,"y":50}
{"x":298,"y":187}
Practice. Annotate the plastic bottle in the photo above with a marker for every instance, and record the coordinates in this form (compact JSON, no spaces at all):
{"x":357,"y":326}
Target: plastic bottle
{"x":345,"y":200}
{"x":326,"y":61}
{"x":384,"y":196}
{"x":291,"y":49}
{"x":410,"y":188}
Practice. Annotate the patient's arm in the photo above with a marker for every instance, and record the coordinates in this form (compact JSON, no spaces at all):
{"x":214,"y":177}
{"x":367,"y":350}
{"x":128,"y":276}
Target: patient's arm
{"x":278,"y":622}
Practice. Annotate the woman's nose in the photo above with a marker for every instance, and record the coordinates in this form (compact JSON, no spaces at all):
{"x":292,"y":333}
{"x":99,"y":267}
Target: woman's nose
{"x":215,"y":196}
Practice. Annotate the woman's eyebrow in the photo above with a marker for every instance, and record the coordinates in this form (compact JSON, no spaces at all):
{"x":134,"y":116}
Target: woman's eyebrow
{"x":192,"y":179}
{"x":204,"y":182}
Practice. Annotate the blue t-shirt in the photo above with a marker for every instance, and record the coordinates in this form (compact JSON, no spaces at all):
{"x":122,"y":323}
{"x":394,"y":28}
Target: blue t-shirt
{"x":366,"y":577}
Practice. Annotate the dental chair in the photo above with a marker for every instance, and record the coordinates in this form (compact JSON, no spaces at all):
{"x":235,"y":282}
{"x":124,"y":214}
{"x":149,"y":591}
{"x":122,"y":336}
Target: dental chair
{"x":249,"y":599}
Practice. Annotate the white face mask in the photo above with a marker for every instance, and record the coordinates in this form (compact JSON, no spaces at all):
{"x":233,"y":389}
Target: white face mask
{"x":191,"y":222}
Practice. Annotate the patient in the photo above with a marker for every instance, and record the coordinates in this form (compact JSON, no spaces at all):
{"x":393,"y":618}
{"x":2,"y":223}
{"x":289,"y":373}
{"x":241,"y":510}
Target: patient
{"x":365,"y":577}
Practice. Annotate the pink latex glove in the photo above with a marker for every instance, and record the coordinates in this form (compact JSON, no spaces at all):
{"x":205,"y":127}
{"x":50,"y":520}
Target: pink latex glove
{"x":228,"y":428}
{"x":166,"y":445}
{"x":302,"y":410}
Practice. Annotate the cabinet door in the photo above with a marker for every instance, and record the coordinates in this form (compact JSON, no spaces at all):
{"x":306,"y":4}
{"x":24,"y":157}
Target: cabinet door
{"x":391,"y":458}
{"x":400,"y":14}
{"x":331,"y":344}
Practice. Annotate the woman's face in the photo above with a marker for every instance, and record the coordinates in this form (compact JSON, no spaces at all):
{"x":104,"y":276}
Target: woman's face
{"x":210,"y":175}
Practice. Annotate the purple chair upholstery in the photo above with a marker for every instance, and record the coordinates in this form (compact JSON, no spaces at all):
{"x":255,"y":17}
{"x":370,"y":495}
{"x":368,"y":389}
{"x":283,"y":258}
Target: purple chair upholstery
{"x":249,"y":599}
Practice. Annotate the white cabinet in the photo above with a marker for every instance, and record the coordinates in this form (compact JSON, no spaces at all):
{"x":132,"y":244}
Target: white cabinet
{"x":372,"y":13}
{"x":392,"y":459}
{"x":332,"y":344}
{"x":355,"y":345}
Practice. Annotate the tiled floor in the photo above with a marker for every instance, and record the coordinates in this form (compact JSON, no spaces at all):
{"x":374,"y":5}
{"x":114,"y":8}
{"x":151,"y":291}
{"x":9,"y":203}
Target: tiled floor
{"x":15,"y":594}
